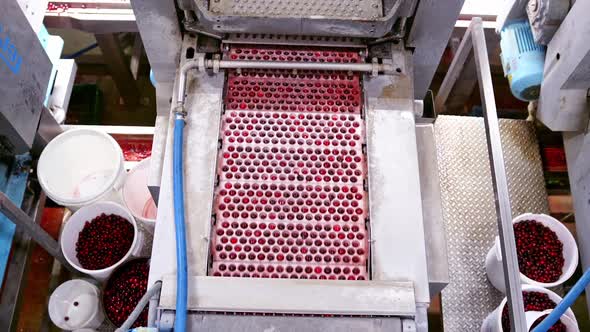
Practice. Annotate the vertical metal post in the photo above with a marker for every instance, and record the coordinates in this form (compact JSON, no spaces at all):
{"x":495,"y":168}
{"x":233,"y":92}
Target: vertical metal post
{"x":474,"y":39}
{"x":119,"y":68}
{"x":503,"y":209}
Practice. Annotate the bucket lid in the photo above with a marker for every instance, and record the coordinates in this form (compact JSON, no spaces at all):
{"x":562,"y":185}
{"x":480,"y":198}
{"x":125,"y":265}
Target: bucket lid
{"x":73,"y":304}
{"x":79,"y":165}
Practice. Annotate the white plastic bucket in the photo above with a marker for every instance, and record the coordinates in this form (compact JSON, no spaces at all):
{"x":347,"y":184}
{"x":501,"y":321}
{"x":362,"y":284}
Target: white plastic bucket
{"x":75,"y":305}
{"x":137,"y":196}
{"x":80,"y":167}
{"x":75,"y":224}
{"x":493,"y":322}
{"x":495,"y":270}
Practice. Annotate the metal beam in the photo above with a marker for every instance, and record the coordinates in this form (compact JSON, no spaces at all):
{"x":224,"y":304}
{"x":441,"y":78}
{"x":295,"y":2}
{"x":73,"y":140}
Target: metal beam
{"x":577,"y":151}
{"x":434,"y":228}
{"x":223,"y":322}
{"x":563,"y":103}
{"x":16,"y":268}
{"x":503,"y":209}
{"x":118,"y":68}
{"x":432,"y":27}
{"x":21,"y":219}
{"x":92,"y":20}
{"x":455,"y":70}
{"x":334,"y":297}
{"x":137,"y":58}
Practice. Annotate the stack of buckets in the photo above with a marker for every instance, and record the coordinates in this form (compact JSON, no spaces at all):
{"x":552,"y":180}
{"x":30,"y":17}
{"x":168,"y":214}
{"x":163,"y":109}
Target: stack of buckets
{"x":83,"y":169}
{"x":495,"y":274}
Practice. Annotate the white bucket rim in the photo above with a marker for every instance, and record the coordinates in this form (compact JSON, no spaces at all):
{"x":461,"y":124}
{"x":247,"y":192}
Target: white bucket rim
{"x":533,"y":288}
{"x":129,"y":217}
{"x":140,"y":218}
{"x":108,"y":184}
{"x":565,"y":275}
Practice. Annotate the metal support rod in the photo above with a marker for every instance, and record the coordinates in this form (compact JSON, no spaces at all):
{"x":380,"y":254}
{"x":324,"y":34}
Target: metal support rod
{"x":202,"y":64}
{"x":503,"y":208}
{"x":119,"y":68}
{"x":355,"y":67}
{"x":474,"y":39}
{"x":38,"y":234}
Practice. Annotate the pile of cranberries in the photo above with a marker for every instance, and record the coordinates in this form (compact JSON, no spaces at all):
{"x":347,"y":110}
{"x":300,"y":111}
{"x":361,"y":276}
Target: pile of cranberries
{"x":104,"y":241}
{"x":124,"y":290}
{"x":533,"y":301}
{"x":540,"y":253}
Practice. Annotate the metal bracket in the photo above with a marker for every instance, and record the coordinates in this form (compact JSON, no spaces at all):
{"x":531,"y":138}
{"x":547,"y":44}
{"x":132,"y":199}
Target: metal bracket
{"x":375,"y":63}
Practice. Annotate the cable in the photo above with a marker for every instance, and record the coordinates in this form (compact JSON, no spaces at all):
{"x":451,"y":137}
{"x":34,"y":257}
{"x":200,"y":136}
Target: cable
{"x":139,"y":307}
{"x":181,"y":268}
{"x":80,"y":52}
{"x":567,"y":302}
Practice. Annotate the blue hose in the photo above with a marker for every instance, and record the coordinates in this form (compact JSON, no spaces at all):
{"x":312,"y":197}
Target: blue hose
{"x":181,"y":268}
{"x":567,"y":302}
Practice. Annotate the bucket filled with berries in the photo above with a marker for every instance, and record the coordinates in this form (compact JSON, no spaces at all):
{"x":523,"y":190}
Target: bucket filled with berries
{"x":124,"y":289}
{"x":547,"y":253}
{"x":99,"y":237}
{"x":538,"y":303}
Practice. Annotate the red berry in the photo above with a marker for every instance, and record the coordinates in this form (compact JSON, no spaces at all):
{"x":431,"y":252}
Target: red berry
{"x":540,"y":253}
{"x":104,"y":241}
{"x":123,"y":291}
{"x":533,"y":301}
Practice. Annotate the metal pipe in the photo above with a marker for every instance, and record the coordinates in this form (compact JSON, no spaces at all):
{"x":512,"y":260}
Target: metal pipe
{"x":201,"y":64}
{"x":188,"y":16}
{"x":193,"y":64}
{"x":355,"y":67}
{"x":151,"y":292}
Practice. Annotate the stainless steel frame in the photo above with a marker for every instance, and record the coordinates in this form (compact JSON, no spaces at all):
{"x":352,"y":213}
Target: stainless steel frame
{"x":563,"y":103}
{"x":286,"y":296}
{"x":215,"y":23}
{"x":389,"y":97}
{"x":474,"y":39}
{"x":429,"y":36}
{"x":577,"y":148}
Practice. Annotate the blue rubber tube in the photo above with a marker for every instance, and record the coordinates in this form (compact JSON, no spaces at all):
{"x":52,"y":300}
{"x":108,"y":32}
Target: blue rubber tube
{"x":181,"y":268}
{"x":567,"y":302}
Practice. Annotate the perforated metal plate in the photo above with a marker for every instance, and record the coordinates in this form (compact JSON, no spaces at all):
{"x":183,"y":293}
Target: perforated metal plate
{"x":291,"y":202}
{"x":469,"y":211}
{"x":365,"y":9}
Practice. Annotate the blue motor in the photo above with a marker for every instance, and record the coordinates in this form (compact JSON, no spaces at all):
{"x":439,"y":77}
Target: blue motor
{"x":522,"y":59}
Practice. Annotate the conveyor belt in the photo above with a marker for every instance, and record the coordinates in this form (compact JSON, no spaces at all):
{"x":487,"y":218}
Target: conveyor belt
{"x":291,"y":201}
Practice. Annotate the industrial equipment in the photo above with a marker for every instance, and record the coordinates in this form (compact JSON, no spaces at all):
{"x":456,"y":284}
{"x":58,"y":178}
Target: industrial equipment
{"x":300,"y":188}
{"x":311,"y":187}
{"x":35,"y":87}
{"x":523,"y":60}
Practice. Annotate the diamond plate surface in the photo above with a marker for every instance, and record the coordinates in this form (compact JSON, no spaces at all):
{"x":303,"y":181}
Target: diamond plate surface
{"x":364,"y":9}
{"x":469,"y":212}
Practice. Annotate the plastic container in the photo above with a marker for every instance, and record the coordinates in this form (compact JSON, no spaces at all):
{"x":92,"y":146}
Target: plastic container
{"x":75,"y":305}
{"x":75,"y":224}
{"x":137,"y":196}
{"x":107,"y":283}
{"x":80,"y":167}
{"x":493,"y":322}
{"x":494,"y":268}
